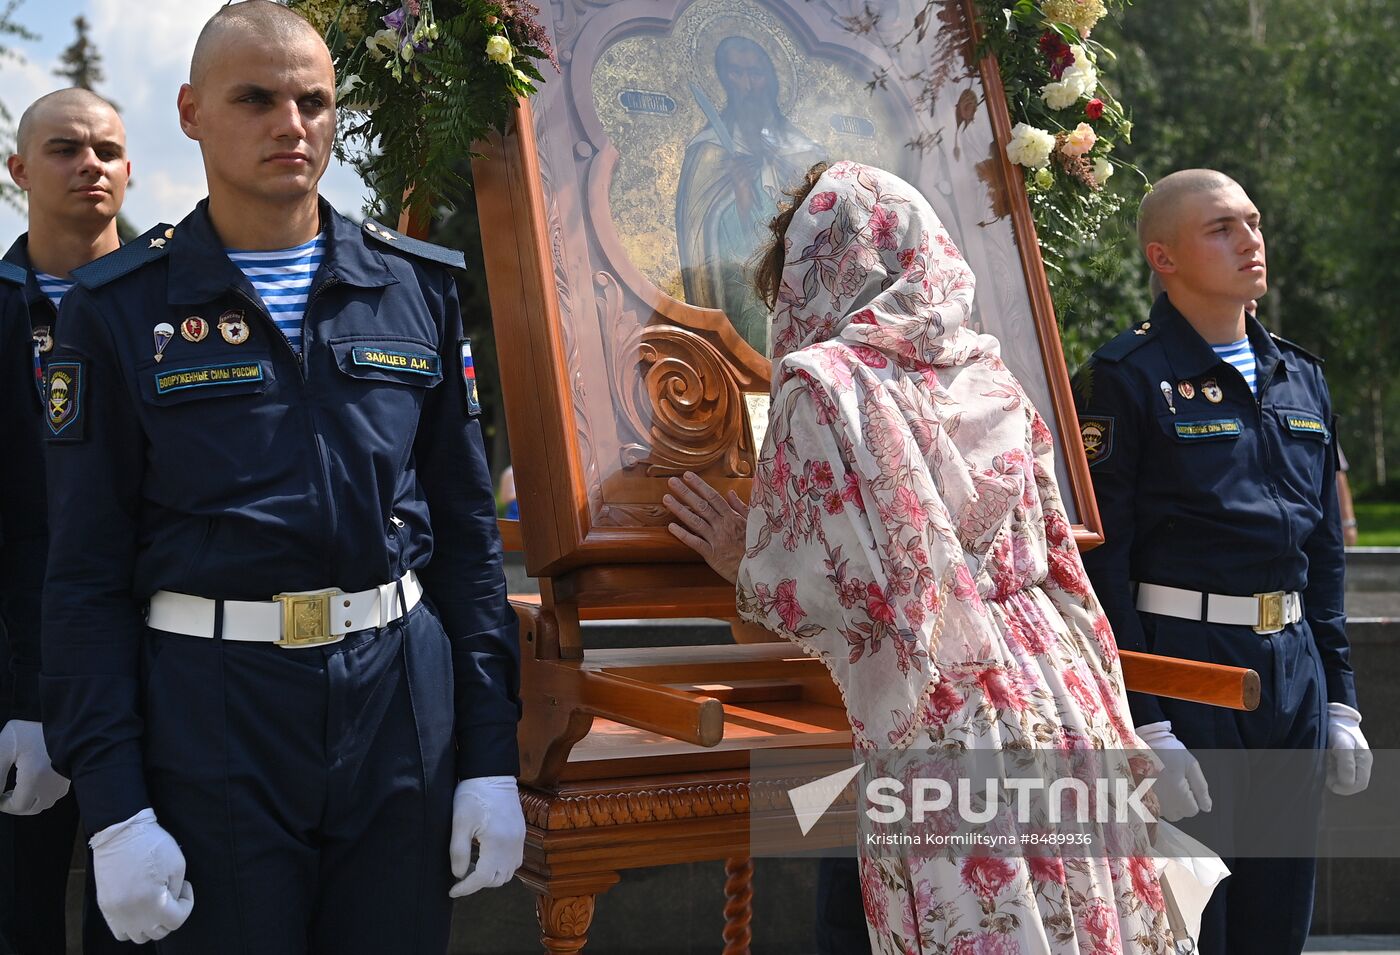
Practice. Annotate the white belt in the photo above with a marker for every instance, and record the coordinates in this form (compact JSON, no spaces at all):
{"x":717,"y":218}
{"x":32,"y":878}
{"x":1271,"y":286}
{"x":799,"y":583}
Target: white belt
{"x":305,"y":619}
{"x":1266,"y":613}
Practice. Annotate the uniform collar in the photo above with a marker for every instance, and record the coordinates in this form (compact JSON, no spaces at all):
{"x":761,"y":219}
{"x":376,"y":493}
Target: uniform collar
{"x":19,"y":255}
{"x":200,"y":270}
{"x":1191,"y":356}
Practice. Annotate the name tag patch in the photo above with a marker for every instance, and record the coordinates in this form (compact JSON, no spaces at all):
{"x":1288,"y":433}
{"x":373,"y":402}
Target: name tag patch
{"x":417,"y":363}
{"x":1306,"y":425}
{"x":1214,"y":428}
{"x":208,"y":376}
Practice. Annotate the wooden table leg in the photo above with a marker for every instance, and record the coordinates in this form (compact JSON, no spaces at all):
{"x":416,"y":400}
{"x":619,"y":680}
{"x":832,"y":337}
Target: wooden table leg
{"x":564,"y":921}
{"x":738,"y":910}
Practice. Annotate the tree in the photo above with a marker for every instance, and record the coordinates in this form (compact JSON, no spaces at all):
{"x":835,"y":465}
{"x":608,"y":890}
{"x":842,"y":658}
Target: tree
{"x":81,"y":63}
{"x":9,"y":29}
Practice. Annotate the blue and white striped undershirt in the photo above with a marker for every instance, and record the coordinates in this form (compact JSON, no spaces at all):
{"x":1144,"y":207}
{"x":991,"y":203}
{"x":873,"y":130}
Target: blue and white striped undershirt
{"x":282,"y":278}
{"x":53,"y":287}
{"x":1241,"y":355}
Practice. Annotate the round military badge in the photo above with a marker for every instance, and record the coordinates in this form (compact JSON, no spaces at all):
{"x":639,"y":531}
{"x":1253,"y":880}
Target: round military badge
{"x":193,"y":329}
{"x":43,"y":337}
{"x":1212,"y":391}
{"x":1186,"y":389}
{"x":233,"y":327}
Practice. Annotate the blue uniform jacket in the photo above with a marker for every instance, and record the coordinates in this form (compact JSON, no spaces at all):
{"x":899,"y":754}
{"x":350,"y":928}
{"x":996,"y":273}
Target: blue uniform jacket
{"x":23,"y":529}
{"x":1211,"y":489}
{"x":229,"y":469}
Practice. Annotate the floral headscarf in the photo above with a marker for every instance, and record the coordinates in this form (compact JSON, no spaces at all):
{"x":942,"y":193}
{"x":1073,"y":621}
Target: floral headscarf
{"x":890,"y":462}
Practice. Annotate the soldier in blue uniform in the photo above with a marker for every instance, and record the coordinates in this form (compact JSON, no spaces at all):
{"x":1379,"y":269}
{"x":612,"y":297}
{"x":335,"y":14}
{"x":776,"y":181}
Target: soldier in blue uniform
{"x":71,"y":163}
{"x":1211,"y":446}
{"x":279,"y":664}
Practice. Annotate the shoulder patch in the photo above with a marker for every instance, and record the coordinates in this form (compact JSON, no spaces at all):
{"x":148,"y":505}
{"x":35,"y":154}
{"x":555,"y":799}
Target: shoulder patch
{"x":1298,"y":348}
{"x":14,"y":274}
{"x":142,"y":250}
{"x":65,"y":401}
{"x":1096,"y":431}
{"x":1127,"y":343}
{"x":423,"y":250}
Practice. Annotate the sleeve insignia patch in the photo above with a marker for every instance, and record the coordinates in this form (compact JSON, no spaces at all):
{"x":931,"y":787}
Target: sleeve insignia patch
{"x":1096,"y":431}
{"x":64,"y":406}
{"x":469,"y":377}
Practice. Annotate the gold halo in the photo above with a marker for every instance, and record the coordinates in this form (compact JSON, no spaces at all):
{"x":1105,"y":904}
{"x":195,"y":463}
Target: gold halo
{"x":708,"y":23}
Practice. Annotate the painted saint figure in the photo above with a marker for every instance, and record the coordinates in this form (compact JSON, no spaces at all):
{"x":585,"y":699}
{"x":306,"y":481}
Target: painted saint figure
{"x":731,"y":176}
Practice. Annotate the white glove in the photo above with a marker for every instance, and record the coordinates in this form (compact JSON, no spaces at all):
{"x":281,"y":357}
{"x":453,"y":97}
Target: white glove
{"x":486,"y":810}
{"x":1348,"y":756}
{"x":37,"y":786}
{"x":1181,"y":786}
{"x":140,"y":876}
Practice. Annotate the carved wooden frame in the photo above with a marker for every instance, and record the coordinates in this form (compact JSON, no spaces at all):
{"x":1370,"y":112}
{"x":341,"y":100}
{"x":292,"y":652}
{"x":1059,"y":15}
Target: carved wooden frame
{"x":682,"y":415}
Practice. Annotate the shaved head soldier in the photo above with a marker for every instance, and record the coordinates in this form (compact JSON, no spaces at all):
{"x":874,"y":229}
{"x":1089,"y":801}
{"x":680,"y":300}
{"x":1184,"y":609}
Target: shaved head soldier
{"x":280,"y":664}
{"x":70,"y":160}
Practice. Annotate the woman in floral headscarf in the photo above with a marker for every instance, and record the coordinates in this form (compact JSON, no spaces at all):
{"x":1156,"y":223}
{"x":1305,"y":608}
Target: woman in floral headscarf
{"x":906,"y":469}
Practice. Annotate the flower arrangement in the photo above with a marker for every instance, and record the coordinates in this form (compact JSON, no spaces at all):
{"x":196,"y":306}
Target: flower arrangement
{"x":1066,"y":122}
{"x":419,"y":82}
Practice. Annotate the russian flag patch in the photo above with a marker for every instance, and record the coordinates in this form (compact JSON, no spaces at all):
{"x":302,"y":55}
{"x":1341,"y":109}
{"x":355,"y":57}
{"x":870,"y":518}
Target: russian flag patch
{"x":469,"y":377}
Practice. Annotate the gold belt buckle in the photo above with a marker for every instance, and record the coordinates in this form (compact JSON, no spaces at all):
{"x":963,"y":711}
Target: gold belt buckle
{"x":306,"y":619}
{"x":1270,"y":612}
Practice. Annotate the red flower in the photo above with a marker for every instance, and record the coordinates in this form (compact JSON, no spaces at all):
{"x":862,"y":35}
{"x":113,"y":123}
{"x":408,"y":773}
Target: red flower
{"x":1102,"y":923}
{"x":906,"y":258}
{"x":785,"y":603}
{"x":1094,"y":108}
{"x":942,"y":704}
{"x":987,"y":875}
{"x":1047,"y":869}
{"x":1057,"y":52}
{"x":821,"y":474}
{"x":1146,"y":885}
{"x":876,"y":604}
{"x":864,"y":317}
{"x":882,"y":228}
{"x":833,"y":503}
{"x":821,"y":202}
{"x":851,"y":492}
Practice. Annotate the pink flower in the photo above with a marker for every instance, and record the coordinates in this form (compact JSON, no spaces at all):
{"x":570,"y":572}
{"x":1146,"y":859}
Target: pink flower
{"x":821,"y":202}
{"x":882,"y":228}
{"x":1102,"y":923}
{"x":1080,"y":140}
{"x":833,"y":503}
{"x":871,"y":356}
{"x":864,"y":317}
{"x":907,"y":503}
{"x":985,"y":943}
{"x":785,"y":603}
{"x":1080,"y":690}
{"x":851,"y":492}
{"x":1002,"y":689}
{"x":1146,"y":884}
{"x":906,"y":258}
{"x":878,"y":605}
{"x":872,"y":891}
{"x":1094,"y":108}
{"x":987,"y":875}
{"x":1103,"y":636}
{"x":821,"y":474}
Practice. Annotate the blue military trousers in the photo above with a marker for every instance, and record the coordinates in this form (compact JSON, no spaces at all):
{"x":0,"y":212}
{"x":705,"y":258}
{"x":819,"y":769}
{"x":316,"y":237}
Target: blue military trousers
{"x":1265,"y":906}
{"x":310,"y":790}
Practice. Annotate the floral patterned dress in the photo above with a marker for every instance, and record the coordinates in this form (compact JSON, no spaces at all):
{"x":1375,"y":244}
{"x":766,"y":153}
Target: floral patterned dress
{"x":905,"y":463}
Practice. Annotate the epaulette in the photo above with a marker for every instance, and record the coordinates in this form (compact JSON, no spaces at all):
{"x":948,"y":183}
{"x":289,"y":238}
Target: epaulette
{"x":1126,"y":343}
{"x":1298,"y":348}
{"x":14,"y":274}
{"x":424,"y":250}
{"x":142,"y":250}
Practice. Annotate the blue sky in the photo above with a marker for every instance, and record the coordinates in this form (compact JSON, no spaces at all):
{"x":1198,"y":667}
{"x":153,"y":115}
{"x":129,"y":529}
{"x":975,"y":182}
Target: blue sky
{"x":145,"y":47}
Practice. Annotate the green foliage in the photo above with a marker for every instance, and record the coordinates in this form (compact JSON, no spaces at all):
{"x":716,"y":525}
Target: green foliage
{"x":420,"y":83}
{"x":1039,"y":46}
{"x":81,"y":63}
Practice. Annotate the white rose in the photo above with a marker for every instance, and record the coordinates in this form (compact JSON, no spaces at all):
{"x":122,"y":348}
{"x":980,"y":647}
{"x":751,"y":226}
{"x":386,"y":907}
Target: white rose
{"x":1083,"y":73}
{"x":1030,"y":146}
{"x":384,"y":43}
{"x":1103,"y":169}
